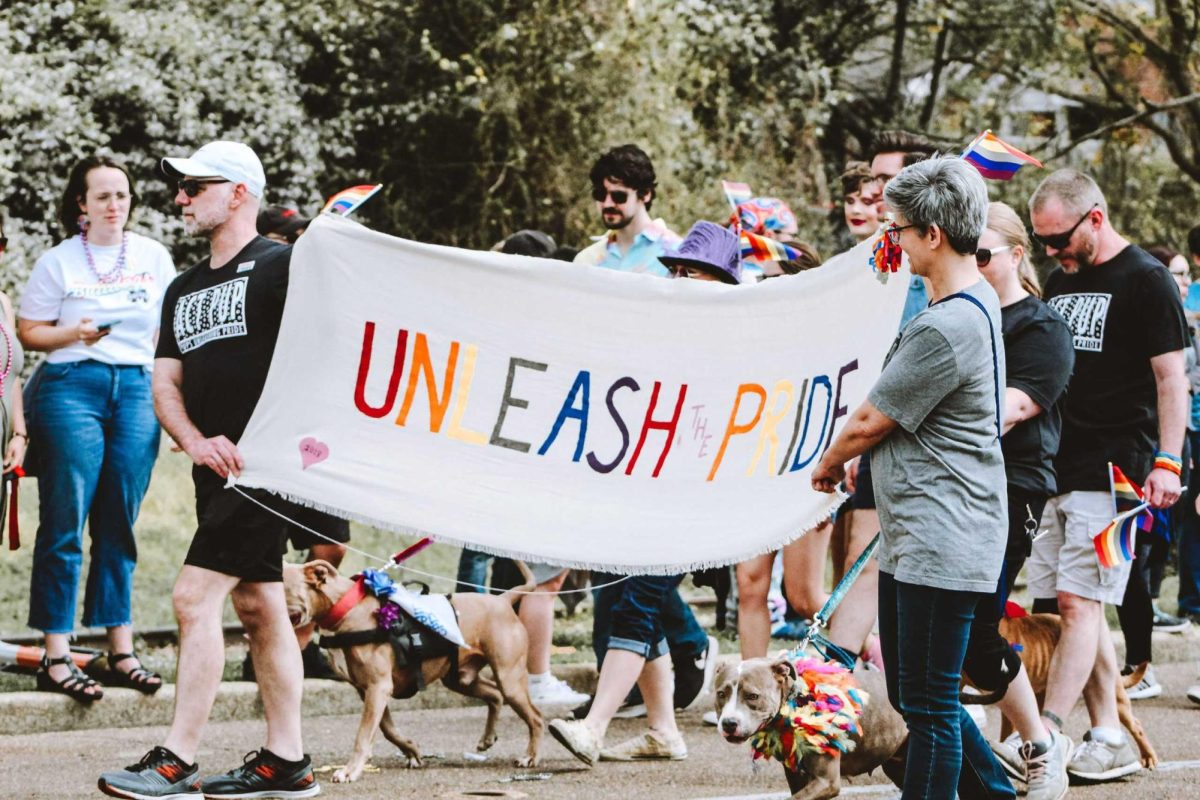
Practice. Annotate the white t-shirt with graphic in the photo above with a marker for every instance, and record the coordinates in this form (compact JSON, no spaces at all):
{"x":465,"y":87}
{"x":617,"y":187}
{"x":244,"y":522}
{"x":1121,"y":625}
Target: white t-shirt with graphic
{"x":64,"y":289}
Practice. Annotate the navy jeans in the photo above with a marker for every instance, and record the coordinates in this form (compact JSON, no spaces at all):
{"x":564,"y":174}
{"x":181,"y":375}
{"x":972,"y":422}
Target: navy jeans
{"x":923,"y":634}
{"x":643,"y":610}
{"x":98,"y":436}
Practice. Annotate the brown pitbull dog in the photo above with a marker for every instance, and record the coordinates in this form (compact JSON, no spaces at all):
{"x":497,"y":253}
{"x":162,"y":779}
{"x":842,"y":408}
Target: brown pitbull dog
{"x":749,"y":695}
{"x":494,"y":637}
{"x":1038,"y":635}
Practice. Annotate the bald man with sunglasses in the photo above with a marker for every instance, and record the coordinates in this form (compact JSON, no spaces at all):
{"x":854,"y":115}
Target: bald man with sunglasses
{"x":1126,"y":404}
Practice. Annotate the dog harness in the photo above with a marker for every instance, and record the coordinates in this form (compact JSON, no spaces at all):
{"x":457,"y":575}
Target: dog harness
{"x":819,"y":716}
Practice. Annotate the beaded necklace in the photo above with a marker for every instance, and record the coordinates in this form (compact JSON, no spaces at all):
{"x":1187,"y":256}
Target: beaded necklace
{"x":118,"y":269}
{"x":8,"y":362}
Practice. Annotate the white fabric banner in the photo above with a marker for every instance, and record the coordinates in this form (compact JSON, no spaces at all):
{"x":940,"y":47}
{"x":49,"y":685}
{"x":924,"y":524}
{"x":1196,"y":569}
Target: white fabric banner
{"x":551,"y":412}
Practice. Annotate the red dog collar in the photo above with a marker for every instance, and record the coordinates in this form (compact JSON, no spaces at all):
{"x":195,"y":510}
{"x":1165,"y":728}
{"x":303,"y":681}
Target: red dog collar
{"x":353,"y":596}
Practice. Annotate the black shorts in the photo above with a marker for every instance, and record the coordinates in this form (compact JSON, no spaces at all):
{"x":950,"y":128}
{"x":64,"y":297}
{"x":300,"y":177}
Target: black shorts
{"x":863,"y":498}
{"x":324,"y":524}
{"x":235,"y":536}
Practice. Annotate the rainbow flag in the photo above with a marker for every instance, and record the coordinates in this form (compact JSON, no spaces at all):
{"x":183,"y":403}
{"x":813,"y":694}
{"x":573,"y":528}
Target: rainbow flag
{"x":994,"y":158}
{"x":736,"y":193}
{"x":1126,"y":494}
{"x":1115,"y":544}
{"x":757,"y":248}
{"x":347,"y":200}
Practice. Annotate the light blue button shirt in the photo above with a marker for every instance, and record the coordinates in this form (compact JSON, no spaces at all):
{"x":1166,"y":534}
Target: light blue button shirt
{"x":642,"y":256}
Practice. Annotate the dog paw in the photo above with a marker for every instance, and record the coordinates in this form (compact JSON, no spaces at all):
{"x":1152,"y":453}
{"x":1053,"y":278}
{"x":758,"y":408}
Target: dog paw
{"x":414,"y":762}
{"x":344,"y":776}
{"x":485,"y":744}
{"x":526,"y":761}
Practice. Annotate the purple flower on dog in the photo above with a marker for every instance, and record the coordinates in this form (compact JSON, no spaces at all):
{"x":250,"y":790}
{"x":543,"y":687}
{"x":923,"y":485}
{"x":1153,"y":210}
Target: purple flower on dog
{"x":387,"y":615}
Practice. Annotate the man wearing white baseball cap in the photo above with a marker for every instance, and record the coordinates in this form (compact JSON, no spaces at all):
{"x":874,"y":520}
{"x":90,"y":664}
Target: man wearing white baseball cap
{"x":219,"y":323}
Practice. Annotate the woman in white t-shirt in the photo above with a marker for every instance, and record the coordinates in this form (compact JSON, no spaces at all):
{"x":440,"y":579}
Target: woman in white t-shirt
{"x":92,"y":304}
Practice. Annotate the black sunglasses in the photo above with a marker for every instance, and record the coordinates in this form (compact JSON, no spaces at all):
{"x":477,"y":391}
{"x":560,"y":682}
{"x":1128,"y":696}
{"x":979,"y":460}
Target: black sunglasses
{"x":193,"y":187}
{"x":619,"y":196}
{"x":1059,"y":241}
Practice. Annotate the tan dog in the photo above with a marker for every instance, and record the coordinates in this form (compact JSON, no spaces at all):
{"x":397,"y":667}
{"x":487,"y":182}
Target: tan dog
{"x":1038,"y":635}
{"x":494,"y":635}
{"x":750,"y":694}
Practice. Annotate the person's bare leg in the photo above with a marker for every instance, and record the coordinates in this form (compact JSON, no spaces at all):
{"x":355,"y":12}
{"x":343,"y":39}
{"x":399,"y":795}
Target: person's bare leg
{"x":1075,"y":656}
{"x":855,"y":615}
{"x":1020,"y":706}
{"x":620,"y":672}
{"x":1100,"y":691}
{"x":753,"y":617}
{"x":263,"y":611}
{"x":333,"y":552}
{"x":657,"y":683}
{"x":804,"y":570}
{"x":537,"y":615}
{"x":199,"y":596}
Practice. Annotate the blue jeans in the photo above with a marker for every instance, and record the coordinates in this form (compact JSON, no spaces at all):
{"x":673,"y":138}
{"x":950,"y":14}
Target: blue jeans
{"x":1189,"y":536}
{"x":675,"y":619}
{"x":923,"y":634}
{"x":96,"y":430}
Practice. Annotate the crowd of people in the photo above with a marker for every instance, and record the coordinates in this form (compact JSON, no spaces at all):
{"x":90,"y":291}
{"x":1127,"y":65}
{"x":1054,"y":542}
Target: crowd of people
{"x":983,"y":449}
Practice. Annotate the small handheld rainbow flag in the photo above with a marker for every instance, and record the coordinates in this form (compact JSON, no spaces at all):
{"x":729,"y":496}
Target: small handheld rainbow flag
{"x":757,"y":248}
{"x":1126,"y":494}
{"x":996,"y":159}
{"x":346,"y":201}
{"x":1115,"y":544}
{"x":736,"y":193}
{"x":885,"y":256}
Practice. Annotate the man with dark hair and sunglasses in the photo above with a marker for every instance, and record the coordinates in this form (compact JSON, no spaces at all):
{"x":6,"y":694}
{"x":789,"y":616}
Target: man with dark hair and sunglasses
{"x":1126,"y":405}
{"x":220,"y":320}
{"x":623,"y":186}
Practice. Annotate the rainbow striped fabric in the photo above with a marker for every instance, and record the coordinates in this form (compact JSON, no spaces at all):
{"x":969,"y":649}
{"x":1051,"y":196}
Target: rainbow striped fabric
{"x":1127,"y":494}
{"x":347,"y":200}
{"x":757,"y":248}
{"x":1114,"y":544}
{"x":736,"y":193}
{"x":995,"y":159}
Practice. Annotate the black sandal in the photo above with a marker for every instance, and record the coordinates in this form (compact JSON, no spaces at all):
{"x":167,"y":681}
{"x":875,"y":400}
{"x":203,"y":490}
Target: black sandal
{"x":76,"y":685}
{"x":139,"y":678}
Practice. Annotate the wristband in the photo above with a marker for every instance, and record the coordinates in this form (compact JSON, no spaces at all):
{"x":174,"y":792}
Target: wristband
{"x":1168,"y":462}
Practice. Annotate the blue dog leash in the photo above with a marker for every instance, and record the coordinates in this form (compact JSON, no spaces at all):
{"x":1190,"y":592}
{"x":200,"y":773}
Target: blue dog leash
{"x":813,"y":636}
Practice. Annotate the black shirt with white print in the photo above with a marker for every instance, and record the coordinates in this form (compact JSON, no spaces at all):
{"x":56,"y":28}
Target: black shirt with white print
{"x":1121,"y":313}
{"x":222,"y":324}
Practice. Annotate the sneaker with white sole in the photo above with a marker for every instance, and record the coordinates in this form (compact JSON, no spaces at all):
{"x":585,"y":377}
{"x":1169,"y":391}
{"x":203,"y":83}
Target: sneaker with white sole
{"x":160,"y":774}
{"x":1097,"y":762}
{"x":650,"y":746}
{"x":1168,"y":623}
{"x":1146,"y":688}
{"x":550,"y":691}
{"x":1008,"y":753}
{"x":1046,"y":770}
{"x":577,"y":737}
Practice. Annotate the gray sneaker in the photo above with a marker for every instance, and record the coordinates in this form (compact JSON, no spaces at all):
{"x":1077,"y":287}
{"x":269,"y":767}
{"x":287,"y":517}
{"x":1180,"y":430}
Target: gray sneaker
{"x":1097,"y":762}
{"x":1008,"y":753}
{"x":1046,"y":771}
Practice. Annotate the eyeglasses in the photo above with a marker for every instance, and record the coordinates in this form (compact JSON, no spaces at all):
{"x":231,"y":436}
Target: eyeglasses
{"x":193,"y":187}
{"x":893,"y":231}
{"x":983,"y":256}
{"x":1059,"y":241}
{"x":619,"y":196}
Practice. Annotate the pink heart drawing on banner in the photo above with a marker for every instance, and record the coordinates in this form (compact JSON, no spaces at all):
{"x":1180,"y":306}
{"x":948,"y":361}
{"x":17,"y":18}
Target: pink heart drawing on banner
{"x":312,"y":452}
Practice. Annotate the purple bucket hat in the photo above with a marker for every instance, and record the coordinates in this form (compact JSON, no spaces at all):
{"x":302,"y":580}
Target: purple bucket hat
{"x":710,"y":248}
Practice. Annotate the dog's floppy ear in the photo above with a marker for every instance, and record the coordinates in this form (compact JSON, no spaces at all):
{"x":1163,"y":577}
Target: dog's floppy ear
{"x":785,"y":672}
{"x":318,"y":572}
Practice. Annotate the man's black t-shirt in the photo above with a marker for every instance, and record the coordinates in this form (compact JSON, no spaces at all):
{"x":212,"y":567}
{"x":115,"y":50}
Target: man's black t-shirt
{"x":1038,"y":361}
{"x":222,"y":324}
{"x":1121,"y":313}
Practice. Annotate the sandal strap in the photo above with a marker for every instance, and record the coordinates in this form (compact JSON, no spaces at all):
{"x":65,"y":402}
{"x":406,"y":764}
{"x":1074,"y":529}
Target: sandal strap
{"x":142,"y":675}
{"x":117,"y":658}
{"x":47,"y":661}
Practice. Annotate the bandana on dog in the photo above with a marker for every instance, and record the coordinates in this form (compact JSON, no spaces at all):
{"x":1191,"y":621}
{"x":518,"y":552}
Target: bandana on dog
{"x":820,"y":715}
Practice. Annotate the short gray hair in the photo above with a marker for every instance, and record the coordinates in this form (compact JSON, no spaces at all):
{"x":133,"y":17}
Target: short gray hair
{"x":1077,"y":192}
{"x":945,"y":191}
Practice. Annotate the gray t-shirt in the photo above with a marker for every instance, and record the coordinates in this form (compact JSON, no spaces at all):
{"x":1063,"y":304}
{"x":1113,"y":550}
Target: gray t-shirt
{"x":939,"y":477}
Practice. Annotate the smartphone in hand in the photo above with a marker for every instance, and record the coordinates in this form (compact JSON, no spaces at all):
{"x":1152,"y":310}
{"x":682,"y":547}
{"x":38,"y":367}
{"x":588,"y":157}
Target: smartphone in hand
{"x":108,"y":325}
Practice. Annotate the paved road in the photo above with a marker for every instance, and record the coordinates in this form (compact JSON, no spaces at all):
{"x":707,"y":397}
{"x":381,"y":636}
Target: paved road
{"x":65,"y":765}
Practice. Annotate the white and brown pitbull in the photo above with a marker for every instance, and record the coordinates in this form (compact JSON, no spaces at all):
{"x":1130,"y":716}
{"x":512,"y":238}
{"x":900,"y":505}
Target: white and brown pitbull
{"x":491,"y":629}
{"x":750,"y":694}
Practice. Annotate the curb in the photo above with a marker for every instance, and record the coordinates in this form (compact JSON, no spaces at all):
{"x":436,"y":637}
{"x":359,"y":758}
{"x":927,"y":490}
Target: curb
{"x":43,"y":712}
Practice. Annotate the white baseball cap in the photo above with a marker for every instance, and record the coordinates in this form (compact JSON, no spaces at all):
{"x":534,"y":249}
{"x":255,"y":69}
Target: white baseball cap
{"x":232,"y":161}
